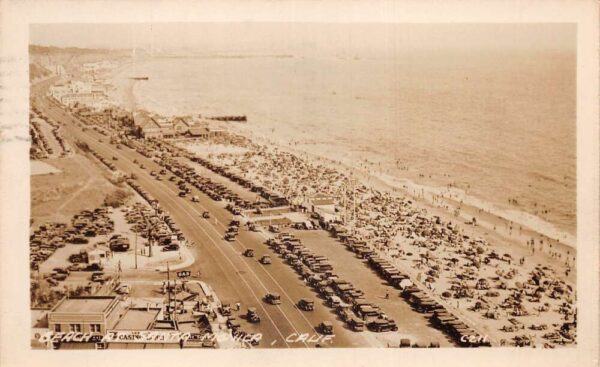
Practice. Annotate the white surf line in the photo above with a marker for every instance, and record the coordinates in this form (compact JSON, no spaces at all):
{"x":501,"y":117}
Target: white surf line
{"x":227,"y":258}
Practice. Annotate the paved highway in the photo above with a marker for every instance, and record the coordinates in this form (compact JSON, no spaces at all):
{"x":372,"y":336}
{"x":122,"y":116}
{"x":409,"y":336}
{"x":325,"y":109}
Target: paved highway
{"x":233,"y":276}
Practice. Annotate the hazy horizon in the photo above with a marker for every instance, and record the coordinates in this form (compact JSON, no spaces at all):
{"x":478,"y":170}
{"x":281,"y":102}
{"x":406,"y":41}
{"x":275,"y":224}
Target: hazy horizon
{"x":350,"y":39}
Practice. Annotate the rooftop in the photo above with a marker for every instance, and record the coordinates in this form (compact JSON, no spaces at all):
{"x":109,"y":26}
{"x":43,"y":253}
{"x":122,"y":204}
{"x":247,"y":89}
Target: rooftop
{"x":137,"y":319}
{"x":85,"y":304}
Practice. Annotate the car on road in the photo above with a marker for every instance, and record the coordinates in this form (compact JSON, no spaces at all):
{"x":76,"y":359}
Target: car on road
{"x":326,"y":327}
{"x":115,"y":158}
{"x":182,"y":194}
{"x":229,"y":237}
{"x":248,"y":252}
{"x":274,"y":228}
{"x":306,"y":304}
{"x":265,"y":260}
{"x":152,"y":173}
{"x":142,"y":166}
{"x":205,"y":215}
{"x":195,"y":199}
{"x":252,"y":316}
{"x":273,"y":298}
{"x":158,"y":178}
{"x":135,"y":161}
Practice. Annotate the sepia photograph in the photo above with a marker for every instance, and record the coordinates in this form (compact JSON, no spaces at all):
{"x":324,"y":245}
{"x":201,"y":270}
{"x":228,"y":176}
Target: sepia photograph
{"x":255,"y":184}
{"x":375,"y":186}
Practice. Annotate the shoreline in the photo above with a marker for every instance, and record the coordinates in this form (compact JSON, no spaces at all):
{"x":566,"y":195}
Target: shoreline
{"x":410,"y":189}
{"x":431,"y":194}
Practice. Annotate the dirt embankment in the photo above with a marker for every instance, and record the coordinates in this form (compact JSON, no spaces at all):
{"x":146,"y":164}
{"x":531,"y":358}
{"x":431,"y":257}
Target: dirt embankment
{"x":81,"y":184}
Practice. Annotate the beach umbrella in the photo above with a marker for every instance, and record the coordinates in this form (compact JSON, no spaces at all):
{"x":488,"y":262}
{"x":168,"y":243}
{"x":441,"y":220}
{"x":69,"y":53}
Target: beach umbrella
{"x":406,"y":283}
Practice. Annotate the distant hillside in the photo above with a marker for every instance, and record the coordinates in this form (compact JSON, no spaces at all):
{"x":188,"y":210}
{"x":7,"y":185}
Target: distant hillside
{"x":36,"y":49}
{"x":36,"y":71}
{"x":71,"y":57}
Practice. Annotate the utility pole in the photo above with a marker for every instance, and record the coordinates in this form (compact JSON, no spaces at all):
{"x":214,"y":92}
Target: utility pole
{"x":150,"y":242}
{"x":175,"y":298}
{"x":119,"y":272}
{"x":135,"y":250}
{"x":168,"y":292}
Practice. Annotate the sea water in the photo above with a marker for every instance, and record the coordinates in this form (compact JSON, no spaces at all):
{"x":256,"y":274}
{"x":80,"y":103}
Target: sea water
{"x":499,"y":126}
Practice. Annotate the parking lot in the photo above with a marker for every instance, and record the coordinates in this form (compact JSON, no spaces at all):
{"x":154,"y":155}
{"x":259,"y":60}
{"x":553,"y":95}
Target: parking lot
{"x":352,"y":269}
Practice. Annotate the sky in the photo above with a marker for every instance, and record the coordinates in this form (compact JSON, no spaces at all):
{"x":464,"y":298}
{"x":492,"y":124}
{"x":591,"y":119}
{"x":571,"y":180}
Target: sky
{"x":356,"y":38}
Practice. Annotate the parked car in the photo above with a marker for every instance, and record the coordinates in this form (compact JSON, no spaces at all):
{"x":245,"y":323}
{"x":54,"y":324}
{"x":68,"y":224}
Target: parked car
{"x":356,"y":324}
{"x":97,"y":277}
{"x":123,"y":289}
{"x":206,"y":215}
{"x":382,"y":325}
{"x":59,"y":276}
{"x":171,"y":247}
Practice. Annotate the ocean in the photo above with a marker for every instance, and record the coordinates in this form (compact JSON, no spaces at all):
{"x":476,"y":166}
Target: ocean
{"x":498,"y":126}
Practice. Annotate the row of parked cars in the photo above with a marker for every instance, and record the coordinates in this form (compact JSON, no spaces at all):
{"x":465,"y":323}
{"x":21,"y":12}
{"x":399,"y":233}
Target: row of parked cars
{"x":348,"y":301}
{"x":111,"y":166}
{"x":44,"y":241}
{"x":418,"y":299}
{"x":51,"y":236}
{"x":297,"y":255}
{"x":156,"y":221}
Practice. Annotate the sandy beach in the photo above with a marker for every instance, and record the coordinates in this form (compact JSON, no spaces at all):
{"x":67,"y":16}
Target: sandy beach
{"x":408,"y":228}
{"x":525,"y":224}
